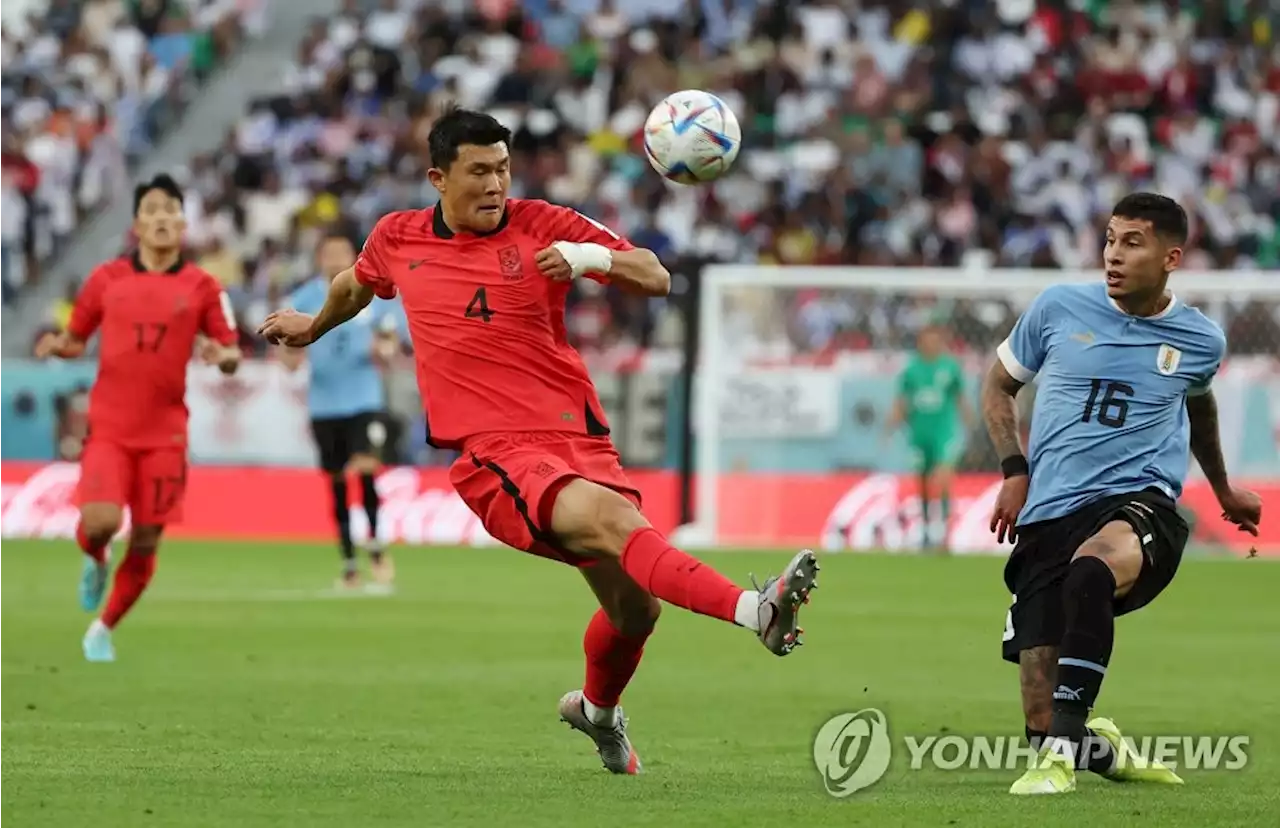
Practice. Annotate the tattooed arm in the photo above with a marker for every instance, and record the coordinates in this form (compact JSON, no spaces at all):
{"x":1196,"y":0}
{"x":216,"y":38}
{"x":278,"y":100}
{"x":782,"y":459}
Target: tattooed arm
{"x":999,"y":410}
{"x":1202,"y":410}
{"x":1239,"y":506}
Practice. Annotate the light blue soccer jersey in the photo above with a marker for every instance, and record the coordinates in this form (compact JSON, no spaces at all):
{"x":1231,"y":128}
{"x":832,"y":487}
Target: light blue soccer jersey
{"x":1110,"y":415}
{"x":344,"y":380}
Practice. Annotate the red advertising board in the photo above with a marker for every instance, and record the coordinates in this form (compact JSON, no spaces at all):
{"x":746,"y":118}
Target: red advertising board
{"x":282,"y":504}
{"x":842,"y":511}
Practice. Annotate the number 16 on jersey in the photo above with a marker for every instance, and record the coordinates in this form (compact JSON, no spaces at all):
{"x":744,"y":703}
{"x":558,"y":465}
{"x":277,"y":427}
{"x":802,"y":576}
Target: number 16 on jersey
{"x":1113,"y":409}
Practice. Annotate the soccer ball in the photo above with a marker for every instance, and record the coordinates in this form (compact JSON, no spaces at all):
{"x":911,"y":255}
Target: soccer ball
{"x":691,"y":137}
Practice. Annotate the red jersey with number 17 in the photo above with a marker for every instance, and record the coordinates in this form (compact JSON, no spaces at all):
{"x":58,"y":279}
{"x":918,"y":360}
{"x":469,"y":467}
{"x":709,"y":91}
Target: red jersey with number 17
{"x":149,"y":322}
{"x":487,"y":327}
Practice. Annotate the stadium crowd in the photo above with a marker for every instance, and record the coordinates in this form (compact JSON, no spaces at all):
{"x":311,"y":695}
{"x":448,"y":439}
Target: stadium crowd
{"x":88,"y":87}
{"x":876,"y":132}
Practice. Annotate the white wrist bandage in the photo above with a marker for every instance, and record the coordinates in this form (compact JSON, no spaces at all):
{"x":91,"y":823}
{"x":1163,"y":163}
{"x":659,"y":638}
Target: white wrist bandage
{"x":586,"y":258}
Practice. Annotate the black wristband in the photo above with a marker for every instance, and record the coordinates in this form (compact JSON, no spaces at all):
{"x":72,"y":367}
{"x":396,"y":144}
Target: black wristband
{"x":1014,"y":465}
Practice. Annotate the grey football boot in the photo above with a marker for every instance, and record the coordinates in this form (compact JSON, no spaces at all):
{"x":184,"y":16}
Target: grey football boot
{"x":612,"y":743}
{"x":780,"y":599}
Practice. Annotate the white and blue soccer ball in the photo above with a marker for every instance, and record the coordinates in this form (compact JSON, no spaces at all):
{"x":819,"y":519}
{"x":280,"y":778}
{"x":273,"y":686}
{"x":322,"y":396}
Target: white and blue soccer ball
{"x":692,"y":137}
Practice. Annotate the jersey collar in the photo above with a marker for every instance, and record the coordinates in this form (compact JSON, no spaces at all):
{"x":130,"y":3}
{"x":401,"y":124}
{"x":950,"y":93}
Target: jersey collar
{"x":139,"y":267}
{"x":442,"y":231}
{"x":1168,"y":309}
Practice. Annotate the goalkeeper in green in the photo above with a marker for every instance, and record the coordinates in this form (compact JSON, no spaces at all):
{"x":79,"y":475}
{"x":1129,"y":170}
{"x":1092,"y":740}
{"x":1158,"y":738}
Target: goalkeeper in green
{"x":931,"y":400}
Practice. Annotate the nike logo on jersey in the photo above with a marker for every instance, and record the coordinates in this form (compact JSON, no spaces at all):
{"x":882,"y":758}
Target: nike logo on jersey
{"x":417,"y":263}
{"x":1086,"y":337}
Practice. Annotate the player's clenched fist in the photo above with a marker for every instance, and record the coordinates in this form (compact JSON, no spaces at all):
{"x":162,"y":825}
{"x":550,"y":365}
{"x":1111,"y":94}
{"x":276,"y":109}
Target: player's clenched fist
{"x":287,"y":327}
{"x":1243,"y":508}
{"x":552,"y":263}
{"x":1009,"y":503}
{"x":563,"y":260}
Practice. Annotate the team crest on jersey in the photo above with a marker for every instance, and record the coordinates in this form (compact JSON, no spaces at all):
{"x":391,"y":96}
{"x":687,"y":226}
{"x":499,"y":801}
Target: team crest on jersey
{"x":510,"y":262}
{"x":1167,"y":359}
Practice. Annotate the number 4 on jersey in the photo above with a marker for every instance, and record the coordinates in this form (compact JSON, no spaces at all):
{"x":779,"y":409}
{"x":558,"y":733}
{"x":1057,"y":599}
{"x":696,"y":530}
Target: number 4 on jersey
{"x":478,"y":307}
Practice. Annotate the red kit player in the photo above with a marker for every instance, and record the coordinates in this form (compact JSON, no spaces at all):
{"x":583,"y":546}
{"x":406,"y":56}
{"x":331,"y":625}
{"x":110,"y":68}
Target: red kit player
{"x":151,"y":308}
{"x":483,"y":279}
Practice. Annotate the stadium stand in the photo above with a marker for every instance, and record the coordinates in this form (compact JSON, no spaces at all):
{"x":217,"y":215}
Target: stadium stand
{"x":88,"y":88}
{"x":879,"y":132}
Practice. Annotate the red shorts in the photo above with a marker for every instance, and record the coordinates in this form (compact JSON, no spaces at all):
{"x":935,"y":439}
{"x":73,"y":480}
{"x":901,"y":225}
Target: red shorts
{"x":511,"y":481}
{"x":152,"y":482}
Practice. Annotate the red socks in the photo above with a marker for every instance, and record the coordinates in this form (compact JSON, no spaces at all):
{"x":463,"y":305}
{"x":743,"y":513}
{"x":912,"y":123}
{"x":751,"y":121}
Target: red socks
{"x":132,"y":576}
{"x":677,"y":577}
{"x":98,"y":553}
{"x":612,"y":659}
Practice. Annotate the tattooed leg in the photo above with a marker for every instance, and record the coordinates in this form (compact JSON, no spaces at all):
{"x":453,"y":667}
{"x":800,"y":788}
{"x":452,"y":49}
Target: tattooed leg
{"x":1038,"y":670}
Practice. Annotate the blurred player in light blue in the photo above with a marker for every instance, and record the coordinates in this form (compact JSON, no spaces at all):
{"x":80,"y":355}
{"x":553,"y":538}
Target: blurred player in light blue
{"x":1123,"y":370}
{"x":347,"y":401}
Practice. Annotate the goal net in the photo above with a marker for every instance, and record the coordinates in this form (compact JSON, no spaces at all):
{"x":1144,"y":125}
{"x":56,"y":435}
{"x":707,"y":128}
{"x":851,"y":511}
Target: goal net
{"x":800,"y":368}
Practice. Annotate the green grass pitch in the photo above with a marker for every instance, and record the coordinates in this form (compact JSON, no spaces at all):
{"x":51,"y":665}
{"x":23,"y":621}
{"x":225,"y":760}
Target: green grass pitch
{"x":244,"y":697}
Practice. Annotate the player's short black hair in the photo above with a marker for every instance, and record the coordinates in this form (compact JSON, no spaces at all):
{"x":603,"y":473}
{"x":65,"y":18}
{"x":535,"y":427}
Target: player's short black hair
{"x":457,"y":126}
{"x":1167,"y":217}
{"x":163,"y":182}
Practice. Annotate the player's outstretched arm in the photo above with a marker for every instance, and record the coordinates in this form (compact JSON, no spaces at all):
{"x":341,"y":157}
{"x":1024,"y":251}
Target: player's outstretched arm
{"x":346,"y":298}
{"x":1241,"y":507}
{"x":1202,"y":411}
{"x":640,"y":271}
{"x":585,"y":247}
{"x":637,"y":271}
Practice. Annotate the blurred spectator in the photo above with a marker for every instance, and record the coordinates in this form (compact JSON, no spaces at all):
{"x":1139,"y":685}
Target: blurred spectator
{"x":87,"y":88}
{"x":878,"y":132}
{"x":20,"y":179}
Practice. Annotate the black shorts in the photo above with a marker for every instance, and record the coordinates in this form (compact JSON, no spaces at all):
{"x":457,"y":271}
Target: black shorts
{"x":341,"y":437}
{"x":1038,"y":565}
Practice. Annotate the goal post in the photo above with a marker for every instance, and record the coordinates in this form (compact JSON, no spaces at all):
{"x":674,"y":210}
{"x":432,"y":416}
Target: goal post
{"x":798,"y":370}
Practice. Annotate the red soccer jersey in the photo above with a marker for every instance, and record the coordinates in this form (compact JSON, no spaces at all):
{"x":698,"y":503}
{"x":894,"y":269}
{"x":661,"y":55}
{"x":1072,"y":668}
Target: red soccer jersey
{"x":487,"y":327}
{"x":149,"y":322}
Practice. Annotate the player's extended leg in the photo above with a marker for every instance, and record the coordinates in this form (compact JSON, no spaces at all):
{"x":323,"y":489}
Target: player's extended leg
{"x":596,"y":522}
{"x":1103,"y":570}
{"x":613,"y":644}
{"x":131,"y":579}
